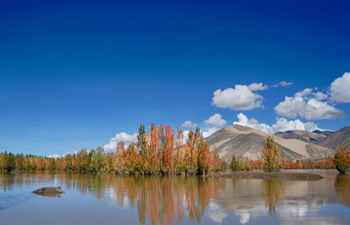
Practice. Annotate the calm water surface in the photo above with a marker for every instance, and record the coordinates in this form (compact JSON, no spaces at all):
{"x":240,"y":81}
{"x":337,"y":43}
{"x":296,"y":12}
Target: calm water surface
{"x":111,"y":199}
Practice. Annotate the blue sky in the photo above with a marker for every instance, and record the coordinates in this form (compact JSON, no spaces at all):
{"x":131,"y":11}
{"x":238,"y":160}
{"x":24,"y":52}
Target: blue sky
{"x":78,"y":74}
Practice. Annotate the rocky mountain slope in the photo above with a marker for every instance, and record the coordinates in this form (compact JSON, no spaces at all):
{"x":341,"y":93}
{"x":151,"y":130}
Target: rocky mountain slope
{"x":248,"y":142}
{"x":303,"y":135}
{"x":338,"y":138}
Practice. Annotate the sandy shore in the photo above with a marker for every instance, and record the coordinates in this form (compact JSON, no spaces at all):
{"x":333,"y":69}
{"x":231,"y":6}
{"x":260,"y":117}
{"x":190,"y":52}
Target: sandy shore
{"x":271,"y":175}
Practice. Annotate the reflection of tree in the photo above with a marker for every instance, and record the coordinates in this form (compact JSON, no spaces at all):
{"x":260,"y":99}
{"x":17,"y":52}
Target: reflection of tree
{"x":6,"y":181}
{"x":342,"y":185}
{"x":273,"y":192}
{"x":161,"y":200}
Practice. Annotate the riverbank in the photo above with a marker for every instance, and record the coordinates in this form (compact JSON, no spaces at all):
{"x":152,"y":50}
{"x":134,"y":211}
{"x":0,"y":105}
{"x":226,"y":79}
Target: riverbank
{"x":270,"y":175}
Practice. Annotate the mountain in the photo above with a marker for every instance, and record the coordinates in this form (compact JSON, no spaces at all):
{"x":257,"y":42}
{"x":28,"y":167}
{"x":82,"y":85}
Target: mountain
{"x":303,"y":135}
{"x":248,"y":142}
{"x":338,"y":138}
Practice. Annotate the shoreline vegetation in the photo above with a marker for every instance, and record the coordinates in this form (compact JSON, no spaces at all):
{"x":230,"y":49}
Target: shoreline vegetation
{"x":160,"y":152}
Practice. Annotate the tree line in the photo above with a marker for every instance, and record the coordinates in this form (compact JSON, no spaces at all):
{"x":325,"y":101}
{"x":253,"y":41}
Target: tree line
{"x":159,"y":151}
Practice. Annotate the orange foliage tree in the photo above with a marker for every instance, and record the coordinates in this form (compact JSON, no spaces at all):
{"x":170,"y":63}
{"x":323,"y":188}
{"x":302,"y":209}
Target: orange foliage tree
{"x":119,"y":158}
{"x":168,"y":150}
{"x":342,"y":160}
{"x":204,"y":157}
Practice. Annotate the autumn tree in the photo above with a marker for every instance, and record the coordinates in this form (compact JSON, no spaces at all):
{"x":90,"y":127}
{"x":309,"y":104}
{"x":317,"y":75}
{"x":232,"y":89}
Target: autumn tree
{"x":19,"y":162}
{"x":109,"y":161}
{"x":272,"y":156}
{"x":83,"y":160}
{"x":179,"y":155}
{"x":133,"y":160}
{"x":216,"y":161}
{"x":168,"y":150}
{"x":204,"y":157}
{"x":119,"y":158}
{"x":190,"y":160}
{"x":154,"y":163}
{"x":342,"y":160}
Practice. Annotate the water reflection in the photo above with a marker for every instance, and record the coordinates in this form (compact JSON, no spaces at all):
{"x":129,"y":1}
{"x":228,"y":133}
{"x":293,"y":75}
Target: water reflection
{"x":170,"y":200}
{"x":342,"y":184}
{"x":273,"y":193}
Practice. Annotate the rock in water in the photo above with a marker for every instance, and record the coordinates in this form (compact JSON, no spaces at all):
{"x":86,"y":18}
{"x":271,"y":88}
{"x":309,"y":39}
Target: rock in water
{"x":49,"y":191}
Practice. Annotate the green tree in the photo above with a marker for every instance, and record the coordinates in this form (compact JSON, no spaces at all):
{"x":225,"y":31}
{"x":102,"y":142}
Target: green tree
{"x":342,"y":160}
{"x":234,"y":164}
{"x":83,"y":160}
{"x":272,"y":156}
{"x":7,"y":161}
{"x":246,"y":165}
{"x":98,"y":160}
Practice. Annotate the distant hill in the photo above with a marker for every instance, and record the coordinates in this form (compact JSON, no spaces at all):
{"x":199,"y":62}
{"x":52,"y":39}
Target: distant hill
{"x":337,"y":138}
{"x":248,"y":142}
{"x":303,"y":135}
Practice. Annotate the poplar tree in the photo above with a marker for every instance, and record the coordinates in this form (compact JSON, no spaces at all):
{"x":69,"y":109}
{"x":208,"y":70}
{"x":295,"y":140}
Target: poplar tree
{"x":342,"y":160}
{"x":272,"y":156}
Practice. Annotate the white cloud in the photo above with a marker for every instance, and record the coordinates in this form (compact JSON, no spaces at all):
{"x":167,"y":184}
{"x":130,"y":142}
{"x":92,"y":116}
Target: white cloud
{"x":205,"y":133}
{"x":281,"y":125}
{"x":320,"y":96}
{"x":124,"y":137}
{"x":209,"y":132}
{"x":244,"y":218}
{"x":216,"y":213}
{"x":189,"y":124}
{"x":54,"y":156}
{"x":253,"y":123}
{"x":339,"y":90}
{"x":307,"y":104}
{"x":215,"y":120}
{"x":239,"y":98}
{"x":257,"y":87}
{"x":283,"y":84}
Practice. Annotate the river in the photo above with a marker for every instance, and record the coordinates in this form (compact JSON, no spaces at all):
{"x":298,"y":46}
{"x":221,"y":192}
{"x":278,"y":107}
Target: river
{"x":112,"y":199}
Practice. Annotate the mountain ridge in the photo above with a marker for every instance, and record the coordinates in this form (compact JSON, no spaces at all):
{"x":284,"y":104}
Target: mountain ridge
{"x":246,"y":142}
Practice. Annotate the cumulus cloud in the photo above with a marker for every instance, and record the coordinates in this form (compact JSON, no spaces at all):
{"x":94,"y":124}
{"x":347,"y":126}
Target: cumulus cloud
{"x":281,"y":125}
{"x":307,"y":104}
{"x":239,"y":98}
{"x":189,"y":124}
{"x":253,"y":123}
{"x":339,"y":89}
{"x":120,"y":137}
{"x":215,"y":120}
